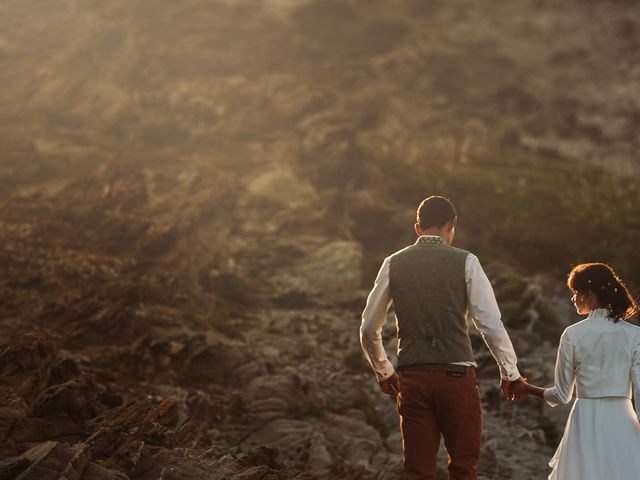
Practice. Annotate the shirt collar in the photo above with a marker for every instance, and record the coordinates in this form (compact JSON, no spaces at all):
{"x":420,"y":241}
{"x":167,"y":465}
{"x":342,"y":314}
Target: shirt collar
{"x":429,"y":239}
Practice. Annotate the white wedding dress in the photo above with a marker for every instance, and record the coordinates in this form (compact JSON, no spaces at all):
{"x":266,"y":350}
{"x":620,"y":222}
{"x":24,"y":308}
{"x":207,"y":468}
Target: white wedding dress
{"x":601,"y":440}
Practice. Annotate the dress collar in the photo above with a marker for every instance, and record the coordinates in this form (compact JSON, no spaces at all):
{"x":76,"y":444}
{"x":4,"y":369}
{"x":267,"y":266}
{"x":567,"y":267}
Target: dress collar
{"x":599,"y":320}
{"x":435,"y":239}
{"x":599,"y":314}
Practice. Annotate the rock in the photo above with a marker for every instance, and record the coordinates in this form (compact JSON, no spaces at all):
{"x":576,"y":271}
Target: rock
{"x":281,"y":186}
{"x":52,"y":460}
{"x":488,"y":464}
{"x":324,"y":444}
{"x":97,"y":472}
{"x":201,"y":406}
{"x":10,"y":415}
{"x":260,"y":472}
{"x":165,"y":414}
{"x":64,"y":370}
{"x":393,"y":442}
{"x":10,"y":468}
{"x":530,"y":318}
{"x":356,"y":441}
{"x":294,"y":438}
{"x":74,"y":398}
{"x":515,"y":99}
{"x":261,"y":463}
{"x":333,"y":271}
{"x":532,"y":294}
{"x":277,"y":396}
{"x":25,"y":367}
{"x":193,"y":358}
{"x":30,"y":430}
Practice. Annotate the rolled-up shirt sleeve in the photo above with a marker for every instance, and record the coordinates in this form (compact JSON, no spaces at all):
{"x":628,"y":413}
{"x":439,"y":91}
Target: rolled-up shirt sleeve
{"x":374,"y":317}
{"x":486,"y":317}
{"x":635,"y":378}
{"x":564,"y":378}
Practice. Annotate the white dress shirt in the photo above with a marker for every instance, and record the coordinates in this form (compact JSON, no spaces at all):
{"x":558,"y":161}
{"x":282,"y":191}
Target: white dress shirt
{"x":601,"y":358}
{"x":481,"y":304}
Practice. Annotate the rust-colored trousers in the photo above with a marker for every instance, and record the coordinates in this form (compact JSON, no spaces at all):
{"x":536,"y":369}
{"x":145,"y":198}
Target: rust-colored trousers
{"x":434,"y":403}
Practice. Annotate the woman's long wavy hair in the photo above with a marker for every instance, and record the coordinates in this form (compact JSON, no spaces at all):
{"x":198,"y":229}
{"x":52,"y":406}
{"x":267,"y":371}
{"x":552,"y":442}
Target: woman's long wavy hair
{"x":611,"y":293}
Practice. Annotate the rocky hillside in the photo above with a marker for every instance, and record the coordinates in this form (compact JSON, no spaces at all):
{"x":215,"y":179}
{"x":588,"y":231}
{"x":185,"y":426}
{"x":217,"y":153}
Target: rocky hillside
{"x":135,"y":349}
{"x":197,"y":196}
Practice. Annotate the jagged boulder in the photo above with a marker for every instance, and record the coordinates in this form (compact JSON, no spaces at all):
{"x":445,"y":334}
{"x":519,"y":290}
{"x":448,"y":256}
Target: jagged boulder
{"x":331,"y":272}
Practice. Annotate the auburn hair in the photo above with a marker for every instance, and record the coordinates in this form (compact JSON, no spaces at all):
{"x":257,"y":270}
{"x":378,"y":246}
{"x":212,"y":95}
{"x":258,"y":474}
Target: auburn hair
{"x":611,"y":293}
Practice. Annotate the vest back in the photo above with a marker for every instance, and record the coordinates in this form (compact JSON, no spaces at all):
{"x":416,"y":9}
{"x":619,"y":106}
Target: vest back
{"x":429,"y":293}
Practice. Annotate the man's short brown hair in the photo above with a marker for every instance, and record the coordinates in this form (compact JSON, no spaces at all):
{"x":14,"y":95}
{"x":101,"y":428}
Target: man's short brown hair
{"x":435,"y":211}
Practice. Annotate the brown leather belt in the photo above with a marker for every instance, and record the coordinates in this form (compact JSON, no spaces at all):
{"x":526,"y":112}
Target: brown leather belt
{"x":439,"y":367}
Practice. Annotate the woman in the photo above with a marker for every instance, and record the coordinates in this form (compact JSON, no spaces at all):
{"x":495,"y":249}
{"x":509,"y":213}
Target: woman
{"x":600,"y":356}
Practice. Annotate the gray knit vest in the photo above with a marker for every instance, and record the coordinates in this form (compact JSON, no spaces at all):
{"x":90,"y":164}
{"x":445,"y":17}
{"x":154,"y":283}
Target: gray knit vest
{"x":429,"y":293}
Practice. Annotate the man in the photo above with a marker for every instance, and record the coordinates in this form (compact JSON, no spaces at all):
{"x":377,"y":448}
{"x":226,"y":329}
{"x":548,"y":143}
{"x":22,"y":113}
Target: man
{"x":432,"y":286}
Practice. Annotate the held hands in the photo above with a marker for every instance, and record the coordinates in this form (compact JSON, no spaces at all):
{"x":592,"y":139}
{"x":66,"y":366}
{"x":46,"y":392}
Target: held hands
{"x":520,"y":388}
{"x":515,"y":390}
{"x":391,"y":385}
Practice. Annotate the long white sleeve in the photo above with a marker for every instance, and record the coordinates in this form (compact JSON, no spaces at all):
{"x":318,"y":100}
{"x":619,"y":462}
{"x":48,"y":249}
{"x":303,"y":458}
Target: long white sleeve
{"x":635,"y":378}
{"x":565,"y":378}
{"x":374,"y":317}
{"x":486,"y":317}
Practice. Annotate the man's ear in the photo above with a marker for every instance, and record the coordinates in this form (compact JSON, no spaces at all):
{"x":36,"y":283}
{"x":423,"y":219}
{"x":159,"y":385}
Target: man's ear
{"x":451,"y":224}
{"x":418,"y":229}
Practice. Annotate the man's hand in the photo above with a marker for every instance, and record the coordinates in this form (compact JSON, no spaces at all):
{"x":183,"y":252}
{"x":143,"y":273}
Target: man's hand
{"x":520,"y":388}
{"x":511,"y":395}
{"x":391,"y":385}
